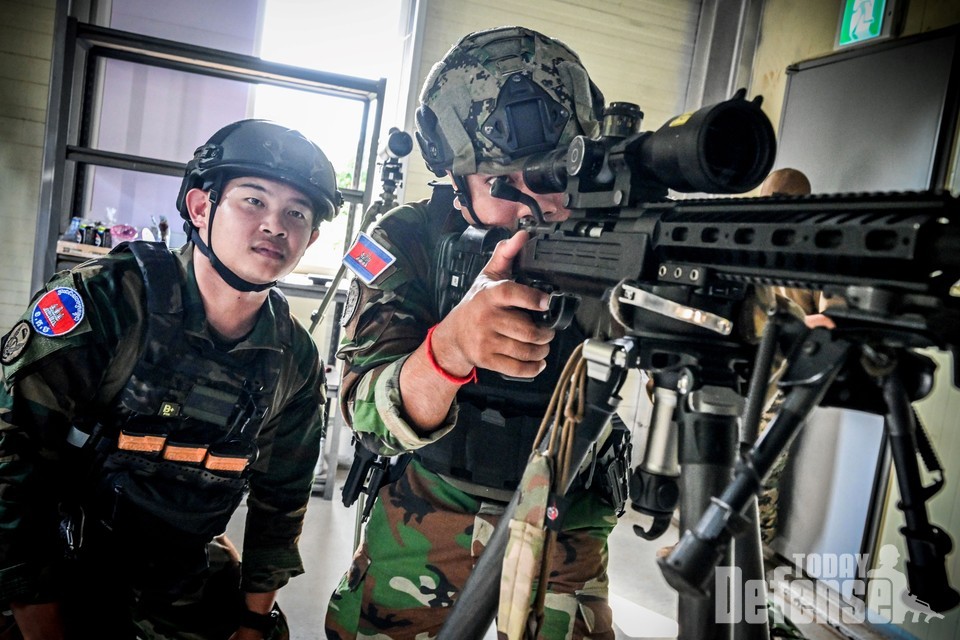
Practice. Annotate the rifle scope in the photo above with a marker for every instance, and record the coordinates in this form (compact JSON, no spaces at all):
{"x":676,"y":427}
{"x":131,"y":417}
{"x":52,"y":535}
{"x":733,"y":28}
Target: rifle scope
{"x":727,"y":147}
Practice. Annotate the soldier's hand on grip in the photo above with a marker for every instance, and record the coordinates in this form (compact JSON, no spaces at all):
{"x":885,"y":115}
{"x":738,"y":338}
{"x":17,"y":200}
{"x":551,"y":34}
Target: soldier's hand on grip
{"x":492,"y":327}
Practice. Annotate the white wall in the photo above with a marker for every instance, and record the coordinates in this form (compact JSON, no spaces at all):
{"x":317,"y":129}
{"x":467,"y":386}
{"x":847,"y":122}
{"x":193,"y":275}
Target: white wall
{"x":26,"y":38}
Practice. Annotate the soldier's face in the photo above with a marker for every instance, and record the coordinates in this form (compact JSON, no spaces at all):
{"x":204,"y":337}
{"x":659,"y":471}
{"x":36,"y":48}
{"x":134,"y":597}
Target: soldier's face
{"x":261,"y":228}
{"x":496,"y":212}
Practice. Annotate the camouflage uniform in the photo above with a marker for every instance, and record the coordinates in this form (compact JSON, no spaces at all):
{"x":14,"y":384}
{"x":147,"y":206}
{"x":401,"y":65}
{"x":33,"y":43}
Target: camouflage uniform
{"x":54,"y":383}
{"x":427,"y":529}
{"x":801,"y":302}
{"x":769,"y":496}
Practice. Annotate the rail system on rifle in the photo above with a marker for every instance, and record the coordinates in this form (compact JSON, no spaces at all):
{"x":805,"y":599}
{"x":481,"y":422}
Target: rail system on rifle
{"x":679,"y":277}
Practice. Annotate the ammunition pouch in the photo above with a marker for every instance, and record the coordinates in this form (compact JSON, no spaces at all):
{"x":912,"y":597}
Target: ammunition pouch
{"x":157,"y":517}
{"x":155,"y":500}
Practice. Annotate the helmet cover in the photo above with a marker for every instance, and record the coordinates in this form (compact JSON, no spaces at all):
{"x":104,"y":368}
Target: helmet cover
{"x":500,"y":95}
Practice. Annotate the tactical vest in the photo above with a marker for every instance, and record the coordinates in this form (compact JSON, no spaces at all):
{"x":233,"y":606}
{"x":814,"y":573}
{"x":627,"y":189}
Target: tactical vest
{"x":498,"y":418}
{"x":497,"y":423}
{"x":177,"y":444}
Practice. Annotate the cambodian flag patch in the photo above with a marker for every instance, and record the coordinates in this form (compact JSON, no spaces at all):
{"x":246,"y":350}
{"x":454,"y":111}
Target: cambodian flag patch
{"x":368,"y":259}
{"x":58,"y":312}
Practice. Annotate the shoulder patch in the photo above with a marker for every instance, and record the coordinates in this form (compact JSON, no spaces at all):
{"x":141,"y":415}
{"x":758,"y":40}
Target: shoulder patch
{"x":368,"y":259}
{"x":57,"y":312}
{"x":14,"y":343}
{"x":351,"y":303}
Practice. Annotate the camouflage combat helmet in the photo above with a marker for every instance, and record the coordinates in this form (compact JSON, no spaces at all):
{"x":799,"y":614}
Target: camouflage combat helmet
{"x":268,"y":150}
{"x":500,"y":95}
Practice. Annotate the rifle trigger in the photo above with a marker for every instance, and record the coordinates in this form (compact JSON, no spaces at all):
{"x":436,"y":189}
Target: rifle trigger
{"x":559,"y":315}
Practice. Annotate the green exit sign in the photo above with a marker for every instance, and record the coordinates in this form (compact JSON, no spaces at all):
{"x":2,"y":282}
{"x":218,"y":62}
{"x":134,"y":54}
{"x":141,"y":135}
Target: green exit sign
{"x":863,"y":20}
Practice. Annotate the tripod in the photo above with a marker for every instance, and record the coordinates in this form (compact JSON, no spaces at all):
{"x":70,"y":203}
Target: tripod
{"x":825,"y":366}
{"x":397,"y":145}
{"x":704,"y":373}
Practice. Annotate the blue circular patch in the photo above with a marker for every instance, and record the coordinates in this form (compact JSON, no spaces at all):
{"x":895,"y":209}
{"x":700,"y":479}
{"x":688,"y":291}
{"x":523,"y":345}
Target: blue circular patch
{"x":57,"y":312}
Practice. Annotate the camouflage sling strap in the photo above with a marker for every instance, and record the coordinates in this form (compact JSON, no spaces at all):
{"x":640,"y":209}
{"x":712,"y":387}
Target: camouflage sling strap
{"x":534,"y":527}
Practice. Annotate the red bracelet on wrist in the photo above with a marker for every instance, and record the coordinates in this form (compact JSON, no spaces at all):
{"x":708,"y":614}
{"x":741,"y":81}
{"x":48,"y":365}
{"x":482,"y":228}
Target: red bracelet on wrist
{"x":470,"y":377}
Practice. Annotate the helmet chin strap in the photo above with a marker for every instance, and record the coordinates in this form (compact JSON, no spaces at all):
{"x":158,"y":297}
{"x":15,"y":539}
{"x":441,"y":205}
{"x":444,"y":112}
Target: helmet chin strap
{"x":222,"y":270}
{"x":463,"y":193}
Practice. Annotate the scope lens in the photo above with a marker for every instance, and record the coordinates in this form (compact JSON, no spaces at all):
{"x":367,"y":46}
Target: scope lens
{"x":736,"y":151}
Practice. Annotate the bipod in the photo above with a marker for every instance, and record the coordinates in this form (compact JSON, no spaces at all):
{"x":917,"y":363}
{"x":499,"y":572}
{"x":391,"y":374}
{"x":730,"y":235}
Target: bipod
{"x":927,"y":545}
{"x":818,"y":361}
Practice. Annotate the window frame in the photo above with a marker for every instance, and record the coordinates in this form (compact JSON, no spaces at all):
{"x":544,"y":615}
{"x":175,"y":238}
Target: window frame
{"x":78,"y":51}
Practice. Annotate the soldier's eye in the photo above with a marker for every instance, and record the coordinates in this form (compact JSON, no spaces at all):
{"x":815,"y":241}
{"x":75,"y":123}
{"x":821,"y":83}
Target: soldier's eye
{"x":507,"y":180}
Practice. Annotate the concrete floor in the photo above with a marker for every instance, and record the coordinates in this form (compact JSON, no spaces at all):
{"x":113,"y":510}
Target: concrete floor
{"x":644,"y":606}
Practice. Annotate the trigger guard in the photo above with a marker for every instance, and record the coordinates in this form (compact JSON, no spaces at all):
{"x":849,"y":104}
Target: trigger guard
{"x":560,"y":312}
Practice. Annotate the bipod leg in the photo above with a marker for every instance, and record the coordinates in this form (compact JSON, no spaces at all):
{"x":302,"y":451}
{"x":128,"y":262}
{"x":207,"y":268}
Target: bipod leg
{"x":927,"y":545}
{"x":748,"y":548}
{"x":477,"y":604}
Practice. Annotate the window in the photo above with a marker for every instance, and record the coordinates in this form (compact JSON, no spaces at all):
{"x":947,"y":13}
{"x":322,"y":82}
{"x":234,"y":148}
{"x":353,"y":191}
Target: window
{"x":362,"y":38}
{"x":161,"y":113}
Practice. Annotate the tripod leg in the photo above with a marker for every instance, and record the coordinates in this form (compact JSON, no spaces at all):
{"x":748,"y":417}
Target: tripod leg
{"x":748,"y":557}
{"x":690,"y":568}
{"x":708,"y":449}
{"x":747,"y":548}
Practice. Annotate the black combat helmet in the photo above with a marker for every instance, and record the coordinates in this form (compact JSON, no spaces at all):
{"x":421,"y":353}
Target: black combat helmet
{"x":268,"y":150}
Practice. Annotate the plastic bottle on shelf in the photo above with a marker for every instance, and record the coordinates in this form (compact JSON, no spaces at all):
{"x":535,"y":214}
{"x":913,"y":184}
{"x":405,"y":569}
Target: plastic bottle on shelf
{"x":73,"y":231}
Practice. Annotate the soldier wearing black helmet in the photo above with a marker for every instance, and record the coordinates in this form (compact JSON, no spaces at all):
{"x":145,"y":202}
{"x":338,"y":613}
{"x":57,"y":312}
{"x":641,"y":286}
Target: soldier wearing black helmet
{"x":147,"y":392}
{"x":444,"y":386}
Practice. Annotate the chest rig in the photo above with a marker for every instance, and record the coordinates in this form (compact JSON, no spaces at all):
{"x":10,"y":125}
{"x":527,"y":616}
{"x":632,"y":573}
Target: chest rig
{"x":178,"y":441}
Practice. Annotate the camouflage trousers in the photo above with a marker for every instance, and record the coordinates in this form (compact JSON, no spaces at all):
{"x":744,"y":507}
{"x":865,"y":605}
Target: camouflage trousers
{"x":769,"y":497}
{"x":420,"y":544}
{"x":98,"y":604}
